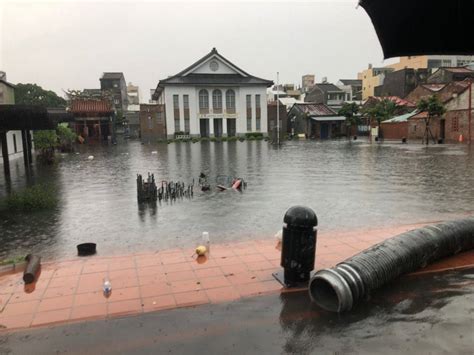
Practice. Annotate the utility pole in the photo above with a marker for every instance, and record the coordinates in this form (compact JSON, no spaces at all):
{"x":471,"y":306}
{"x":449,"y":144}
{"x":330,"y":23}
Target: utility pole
{"x":278,"y":108}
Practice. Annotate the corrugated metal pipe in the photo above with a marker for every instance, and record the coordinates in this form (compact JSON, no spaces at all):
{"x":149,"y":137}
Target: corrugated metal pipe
{"x":338,"y":289}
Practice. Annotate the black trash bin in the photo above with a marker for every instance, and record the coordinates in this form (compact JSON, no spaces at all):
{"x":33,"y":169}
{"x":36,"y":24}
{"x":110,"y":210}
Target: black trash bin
{"x":298,"y":245}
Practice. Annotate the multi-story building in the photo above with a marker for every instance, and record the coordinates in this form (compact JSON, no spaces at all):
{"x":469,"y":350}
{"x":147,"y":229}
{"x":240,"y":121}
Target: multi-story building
{"x":307,"y":82}
{"x":371,"y":78}
{"x":401,"y":82}
{"x":432,"y":62}
{"x":116,"y":85}
{"x":327,"y":94}
{"x":352,"y":88}
{"x":133,"y":95}
{"x":212,"y":98}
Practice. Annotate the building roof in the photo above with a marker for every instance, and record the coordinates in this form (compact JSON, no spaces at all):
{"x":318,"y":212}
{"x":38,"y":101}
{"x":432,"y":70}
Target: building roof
{"x":327,"y":87}
{"x":434,"y":87}
{"x":7,"y":83}
{"x":401,"y":118}
{"x":16,"y":117}
{"x":314,"y":110}
{"x":397,"y":100}
{"x":112,"y":75}
{"x":91,"y":107}
{"x":215,"y":79}
{"x":457,"y":69}
{"x":352,"y":82}
{"x":185,"y":77}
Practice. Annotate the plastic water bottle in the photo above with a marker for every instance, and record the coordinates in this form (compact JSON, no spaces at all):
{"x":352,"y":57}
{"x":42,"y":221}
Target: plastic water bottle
{"x":107,"y":287}
{"x":206,"y":241}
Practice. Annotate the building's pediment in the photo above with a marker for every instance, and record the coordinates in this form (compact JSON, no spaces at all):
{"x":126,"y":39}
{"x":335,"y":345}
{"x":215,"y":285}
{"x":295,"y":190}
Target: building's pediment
{"x":214,"y":65}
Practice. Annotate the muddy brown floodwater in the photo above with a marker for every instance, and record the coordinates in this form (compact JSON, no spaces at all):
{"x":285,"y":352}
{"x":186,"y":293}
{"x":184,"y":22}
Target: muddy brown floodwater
{"x":350,"y":185}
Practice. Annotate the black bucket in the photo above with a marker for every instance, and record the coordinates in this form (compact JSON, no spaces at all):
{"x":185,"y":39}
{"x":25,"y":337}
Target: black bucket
{"x":85,"y":249}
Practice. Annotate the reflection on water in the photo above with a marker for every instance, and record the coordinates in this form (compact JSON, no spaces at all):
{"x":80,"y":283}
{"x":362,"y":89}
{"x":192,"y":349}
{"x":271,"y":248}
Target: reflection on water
{"x":348,"y":184}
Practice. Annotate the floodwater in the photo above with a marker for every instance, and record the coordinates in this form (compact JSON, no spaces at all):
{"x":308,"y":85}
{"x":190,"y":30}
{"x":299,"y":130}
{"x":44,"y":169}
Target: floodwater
{"x":350,"y":185}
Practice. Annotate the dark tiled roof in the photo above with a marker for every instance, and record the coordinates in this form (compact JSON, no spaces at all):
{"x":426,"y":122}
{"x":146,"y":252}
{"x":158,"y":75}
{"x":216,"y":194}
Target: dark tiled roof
{"x":352,"y":82}
{"x":91,"y":106}
{"x":314,"y":110}
{"x":397,"y":100}
{"x":218,"y":79}
{"x":327,"y":87}
{"x":457,"y":69}
{"x":112,"y":75}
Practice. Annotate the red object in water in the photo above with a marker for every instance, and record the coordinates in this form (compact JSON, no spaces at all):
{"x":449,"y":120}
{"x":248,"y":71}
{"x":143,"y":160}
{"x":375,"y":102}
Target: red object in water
{"x":236,"y":184}
{"x":222,"y":188}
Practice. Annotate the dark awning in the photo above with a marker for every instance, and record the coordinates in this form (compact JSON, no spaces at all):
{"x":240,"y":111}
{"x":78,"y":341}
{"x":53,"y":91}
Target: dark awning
{"x":422,"y":27}
{"x":30,"y":117}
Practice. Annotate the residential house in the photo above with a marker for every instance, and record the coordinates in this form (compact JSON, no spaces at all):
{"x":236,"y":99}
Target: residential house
{"x":352,"y":88}
{"x":213,"y":98}
{"x":114,"y":82}
{"x":315,"y":120}
{"x":327,"y":94}
{"x":152,"y":122}
{"x":456,"y":124}
{"x":447,"y":75}
{"x":401,"y":82}
{"x":272,"y":120}
{"x":133,"y":95}
{"x":443,"y":91}
{"x":396,"y":128}
{"x":13,"y":138}
{"x":274,"y":92}
{"x":402,"y":105}
{"x":307,"y":82}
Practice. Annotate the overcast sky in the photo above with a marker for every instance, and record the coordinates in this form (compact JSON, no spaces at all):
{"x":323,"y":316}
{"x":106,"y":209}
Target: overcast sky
{"x":68,"y":44}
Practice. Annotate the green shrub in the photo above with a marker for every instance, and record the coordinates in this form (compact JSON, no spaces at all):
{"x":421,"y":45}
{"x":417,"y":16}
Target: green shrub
{"x":205,"y":139}
{"x":66,"y":137}
{"x":259,"y":138}
{"x":255,"y":135}
{"x":213,"y":139}
{"x":251,"y":138}
{"x":171,"y":140}
{"x":160,"y":140}
{"x":241,"y":139}
{"x":14,"y":260}
{"x":266,"y":139}
{"x":232,"y":139}
{"x":195,"y":140}
{"x":224,"y":139}
{"x":38,"y":197}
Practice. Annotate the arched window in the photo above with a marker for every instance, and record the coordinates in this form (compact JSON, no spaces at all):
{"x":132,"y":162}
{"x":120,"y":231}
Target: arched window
{"x":230,"y":100}
{"x":203,"y":100}
{"x":217,"y":100}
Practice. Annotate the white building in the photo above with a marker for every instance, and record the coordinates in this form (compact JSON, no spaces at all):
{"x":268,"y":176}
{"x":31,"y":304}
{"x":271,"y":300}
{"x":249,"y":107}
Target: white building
{"x":213,"y":98}
{"x":14,"y":138}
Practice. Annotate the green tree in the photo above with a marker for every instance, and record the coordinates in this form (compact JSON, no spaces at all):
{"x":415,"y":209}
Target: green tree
{"x":434,"y":108}
{"x":351,"y":112}
{"x":381,"y":111}
{"x":32,"y":94}
{"x":46,"y":141}
{"x":66,"y":137}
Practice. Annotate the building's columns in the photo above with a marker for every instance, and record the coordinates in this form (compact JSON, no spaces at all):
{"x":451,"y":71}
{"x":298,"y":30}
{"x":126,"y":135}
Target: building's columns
{"x":211,"y":127}
{"x":6,"y":160}
{"x":224,"y":127}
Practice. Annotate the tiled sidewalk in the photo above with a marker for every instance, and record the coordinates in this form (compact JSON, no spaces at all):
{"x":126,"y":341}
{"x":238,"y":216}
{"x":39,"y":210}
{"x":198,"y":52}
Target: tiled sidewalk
{"x":72,"y":290}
